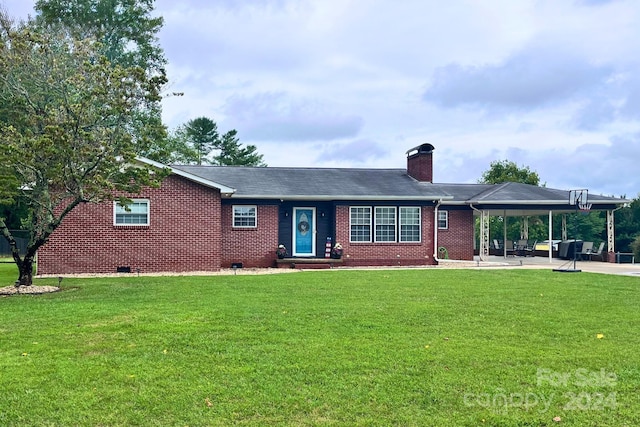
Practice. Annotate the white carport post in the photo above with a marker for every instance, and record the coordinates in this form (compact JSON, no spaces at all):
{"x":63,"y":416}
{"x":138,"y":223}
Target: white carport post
{"x":504,"y":234}
{"x":550,"y":236}
{"x":524,"y":230}
{"x":484,"y":235}
{"x":611,"y":241}
{"x":564,"y":227}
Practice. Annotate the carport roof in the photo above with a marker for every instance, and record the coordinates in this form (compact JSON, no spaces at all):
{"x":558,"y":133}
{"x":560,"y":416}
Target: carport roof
{"x":525,"y":199}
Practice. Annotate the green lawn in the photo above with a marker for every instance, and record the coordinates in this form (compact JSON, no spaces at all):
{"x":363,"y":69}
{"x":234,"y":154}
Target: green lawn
{"x":401,"y":347}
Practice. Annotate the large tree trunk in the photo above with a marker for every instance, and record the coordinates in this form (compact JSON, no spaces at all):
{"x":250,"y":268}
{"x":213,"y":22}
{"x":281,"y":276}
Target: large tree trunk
{"x":25,"y":265}
{"x":25,"y":271}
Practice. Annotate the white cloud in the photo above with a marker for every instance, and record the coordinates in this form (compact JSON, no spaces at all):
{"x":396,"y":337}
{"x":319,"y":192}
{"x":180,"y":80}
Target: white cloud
{"x":275,"y":117}
{"x":359,"y":152}
{"x":533,"y":78}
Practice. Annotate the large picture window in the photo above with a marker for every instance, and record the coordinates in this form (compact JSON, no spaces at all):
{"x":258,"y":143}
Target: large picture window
{"x":385,"y":224}
{"x":244,"y":216}
{"x":443,"y":220}
{"x":409,"y":224}
{"x":134,"y":213}
{"x":360,"y":224}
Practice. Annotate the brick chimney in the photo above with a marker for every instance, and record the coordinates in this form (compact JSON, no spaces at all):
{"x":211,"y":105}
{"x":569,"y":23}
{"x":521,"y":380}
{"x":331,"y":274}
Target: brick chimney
{"x":420,"y":162}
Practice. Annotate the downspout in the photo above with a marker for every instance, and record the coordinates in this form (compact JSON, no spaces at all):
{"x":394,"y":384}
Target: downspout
{"x":435,"y":232}
{"x":480,"y":212}
{"x":435,"y":236}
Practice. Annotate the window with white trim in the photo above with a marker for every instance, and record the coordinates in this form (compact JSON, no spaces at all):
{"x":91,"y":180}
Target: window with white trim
{"x":443,"y":220}
{"x":385,"y":224}
{"x":360,"y":224}
{"x":134,"y":213}
{"x":245,"y":216}
{"x":409,"y":224}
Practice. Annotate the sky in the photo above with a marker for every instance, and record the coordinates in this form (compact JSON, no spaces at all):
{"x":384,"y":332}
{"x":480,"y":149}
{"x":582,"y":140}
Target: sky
{"x":553,"y":85}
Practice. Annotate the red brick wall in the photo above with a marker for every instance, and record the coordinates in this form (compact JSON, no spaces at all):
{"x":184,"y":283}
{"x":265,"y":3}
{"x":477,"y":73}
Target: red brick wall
{"x":362,"y":254}
{"x":458,"y":238}
{"x":184,"y":235}
{"x":253,"y":247}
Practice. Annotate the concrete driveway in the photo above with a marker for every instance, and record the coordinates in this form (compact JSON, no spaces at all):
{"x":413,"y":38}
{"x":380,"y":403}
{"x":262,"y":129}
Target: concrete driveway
{"x":559,"y":264}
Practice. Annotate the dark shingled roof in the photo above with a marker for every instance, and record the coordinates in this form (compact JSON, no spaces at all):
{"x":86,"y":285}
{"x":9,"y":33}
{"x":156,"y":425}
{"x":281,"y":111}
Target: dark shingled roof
{"x":318,"y":183}
{"x":373,"y":184}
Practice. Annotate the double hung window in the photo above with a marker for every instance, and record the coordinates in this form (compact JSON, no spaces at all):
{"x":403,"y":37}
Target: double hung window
{"x":360,"y":224}
{"x":245,"y":216}
{"x":134,"y":213}
{"x":385,"y":224}
{"x":409,"y":224}
{"x":443,"y":220}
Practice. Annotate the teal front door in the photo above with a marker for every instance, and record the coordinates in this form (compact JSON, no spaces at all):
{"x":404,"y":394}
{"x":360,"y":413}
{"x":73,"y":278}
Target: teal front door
{"x":304,"y":232}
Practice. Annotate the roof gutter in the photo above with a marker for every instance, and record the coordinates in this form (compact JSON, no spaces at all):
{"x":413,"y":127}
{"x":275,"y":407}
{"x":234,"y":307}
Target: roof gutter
{"x":521,"y":202}
{"x":541,"y":202}
{"x":338,"y":197}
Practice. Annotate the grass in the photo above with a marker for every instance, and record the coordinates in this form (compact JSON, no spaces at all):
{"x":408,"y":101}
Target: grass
{"x":401,"y":347}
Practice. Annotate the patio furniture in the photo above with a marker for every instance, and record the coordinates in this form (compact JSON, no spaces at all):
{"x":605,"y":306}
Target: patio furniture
{"x":509,"y":249}
{"x":598,"y":253}
{"x":524,"y":249}
{"x":585,"y":253}
{"x":529,"y":249}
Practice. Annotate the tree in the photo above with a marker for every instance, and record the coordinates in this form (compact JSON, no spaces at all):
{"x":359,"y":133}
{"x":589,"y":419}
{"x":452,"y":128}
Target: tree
{"x":202,"y":136}
{"x":128,"y":36}
{"x":198,"y":142}
{"x":125,"y":28}
{"x":501,"y":171}
{"x":14,"y":212}
{"x":65,"y":128}
{"x":635,"y":247}
{"x":171,"y":149}
{"x":233,"y":154}
{"x":627,"y":226}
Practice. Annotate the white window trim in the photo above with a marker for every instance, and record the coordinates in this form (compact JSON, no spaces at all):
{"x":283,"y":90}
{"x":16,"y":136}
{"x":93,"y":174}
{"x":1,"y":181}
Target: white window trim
{"x":419,"y":224}
{"x":395,"y":225}
{"x":446,"y":220}
{"x":115,"y":212}
{"x":370,"y":224}
{"x":233,"y":216}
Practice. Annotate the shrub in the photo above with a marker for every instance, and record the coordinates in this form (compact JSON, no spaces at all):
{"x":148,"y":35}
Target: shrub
{"x":635,"y":246}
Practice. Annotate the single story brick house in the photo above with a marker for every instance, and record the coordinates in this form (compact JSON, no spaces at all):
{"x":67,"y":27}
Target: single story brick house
{"x":203,"y":218}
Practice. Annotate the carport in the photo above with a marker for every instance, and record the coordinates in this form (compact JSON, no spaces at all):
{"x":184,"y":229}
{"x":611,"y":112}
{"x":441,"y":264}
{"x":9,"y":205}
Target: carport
{"x":524,"y":201}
